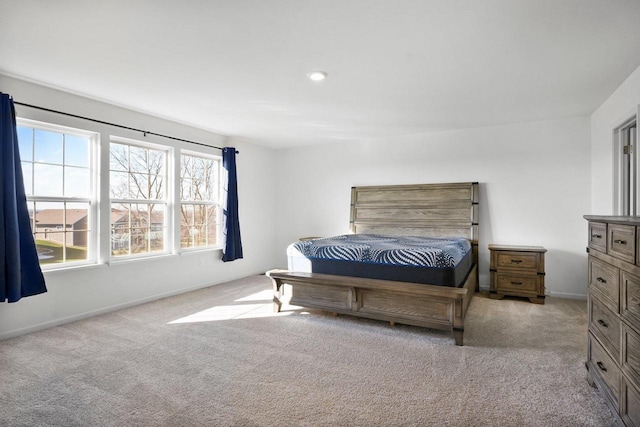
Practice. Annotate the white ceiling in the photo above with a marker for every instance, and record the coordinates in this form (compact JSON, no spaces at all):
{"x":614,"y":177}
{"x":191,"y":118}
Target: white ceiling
{"x":396,"y":67}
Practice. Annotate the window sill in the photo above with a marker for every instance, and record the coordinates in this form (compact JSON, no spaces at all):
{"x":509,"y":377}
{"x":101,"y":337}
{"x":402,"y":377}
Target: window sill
{"x":141,"y":258}
{"x":123,"y":261}
{"x":199,"y":250}
{"x":70,"y":267}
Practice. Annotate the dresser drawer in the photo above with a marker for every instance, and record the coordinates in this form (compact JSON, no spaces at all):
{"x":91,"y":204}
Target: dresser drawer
{"x":604,"y":279}
{"x":513,"y":282}
{"x":630,"y":297}
{"x":517,"y":260}
{"x":602,"y":363}
{"x":598,"y":236}
{"x":630,"y":405}
{"x":621,"y":242}
{"x":613,"y":350}
{"x":605,"y":325}
{"x":631,"y":353}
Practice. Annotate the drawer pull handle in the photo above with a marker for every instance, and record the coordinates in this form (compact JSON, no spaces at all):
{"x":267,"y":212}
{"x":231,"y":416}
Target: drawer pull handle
{"x":603,"y":323}
{"x":601,"y":280}
{"x":516,"y":261}
{"x":596,"y":236}
{"x":601,"y":366}
{"x":516,"y":283}
{"x":620,"y":242}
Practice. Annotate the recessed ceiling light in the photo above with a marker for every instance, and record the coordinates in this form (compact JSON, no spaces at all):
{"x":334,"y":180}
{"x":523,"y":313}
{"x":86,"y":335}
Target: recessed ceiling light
{"x":317,"y":76}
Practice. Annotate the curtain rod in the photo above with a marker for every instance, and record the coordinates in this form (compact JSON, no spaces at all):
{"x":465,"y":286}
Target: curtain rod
{"x":144,"y":132}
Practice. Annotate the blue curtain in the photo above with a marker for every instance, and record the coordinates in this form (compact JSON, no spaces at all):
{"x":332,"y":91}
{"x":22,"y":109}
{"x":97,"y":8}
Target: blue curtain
{"x":20,"y":274}
{"x":231,"y":223}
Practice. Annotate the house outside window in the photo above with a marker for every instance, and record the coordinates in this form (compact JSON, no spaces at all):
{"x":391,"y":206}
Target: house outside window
{"x":139,"y":198}
{"x":199,"y":200}
{"x":61,"y":185}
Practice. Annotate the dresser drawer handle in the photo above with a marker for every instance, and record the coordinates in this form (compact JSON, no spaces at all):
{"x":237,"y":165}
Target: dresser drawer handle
{"x":596,"y":236}
{"x":620,"y":242}
{"x":601,"y":366}
{"x":603,"y":323}
{"x":516,"y":261}
{"x":516,"y":283}
{"x":601,"y":280}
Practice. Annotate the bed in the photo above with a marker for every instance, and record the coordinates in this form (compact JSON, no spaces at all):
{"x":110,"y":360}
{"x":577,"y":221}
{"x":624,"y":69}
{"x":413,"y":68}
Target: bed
{"x":441,"y":211}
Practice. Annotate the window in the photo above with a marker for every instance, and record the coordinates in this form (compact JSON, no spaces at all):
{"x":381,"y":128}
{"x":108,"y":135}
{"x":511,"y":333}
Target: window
{"x":152,"y":210}
{"x":626,"y":168}
{"x":139,"y":194}
{"x":199,"y":195}
{"x":60,"y":184}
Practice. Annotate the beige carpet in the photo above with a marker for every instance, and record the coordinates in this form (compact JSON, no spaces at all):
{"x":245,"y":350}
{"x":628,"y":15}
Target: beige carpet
{"x":219,"y":357}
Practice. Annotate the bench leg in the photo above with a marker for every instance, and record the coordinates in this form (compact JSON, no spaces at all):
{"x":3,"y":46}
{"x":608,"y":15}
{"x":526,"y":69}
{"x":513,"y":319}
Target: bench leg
{"x":277,"y":294}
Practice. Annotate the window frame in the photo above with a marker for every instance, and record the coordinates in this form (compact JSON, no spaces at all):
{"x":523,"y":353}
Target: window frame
{"x":98,"y":221}
{"x":93,"y":231}
{"x":168,"y":224}
{"x":626,"y":165}
{"x":216,"y":202}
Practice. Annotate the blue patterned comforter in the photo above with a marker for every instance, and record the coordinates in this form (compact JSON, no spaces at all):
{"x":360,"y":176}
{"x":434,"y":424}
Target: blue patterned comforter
{"x":379,"y":249}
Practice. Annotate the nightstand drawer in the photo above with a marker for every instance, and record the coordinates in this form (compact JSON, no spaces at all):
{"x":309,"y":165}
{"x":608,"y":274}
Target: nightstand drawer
{"x":517,"y":271}
{"x":604,"y":324}
{"x":602,"y":363}
{"x":598,"y":236}
{"x":621,"y":242}
{"x":604,"y":278}
{"x":517,"y":260}
{"x":516,"y":282}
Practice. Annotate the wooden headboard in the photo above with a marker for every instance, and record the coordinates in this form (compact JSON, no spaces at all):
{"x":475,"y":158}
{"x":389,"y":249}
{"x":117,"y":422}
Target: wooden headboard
{"x":428,"y":210}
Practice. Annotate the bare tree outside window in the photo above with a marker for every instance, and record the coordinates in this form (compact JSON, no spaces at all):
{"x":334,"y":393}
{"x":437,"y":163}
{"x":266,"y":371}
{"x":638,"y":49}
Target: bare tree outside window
{"x":138,"y":199}
{"x":199,"y":177}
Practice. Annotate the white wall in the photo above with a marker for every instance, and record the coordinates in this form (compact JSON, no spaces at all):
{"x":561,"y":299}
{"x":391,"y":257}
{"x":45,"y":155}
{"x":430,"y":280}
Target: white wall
{"x":537,"y":180}
{"x":619,"y":106}
{"x":79,"y":292}
{"x":534,"y":187}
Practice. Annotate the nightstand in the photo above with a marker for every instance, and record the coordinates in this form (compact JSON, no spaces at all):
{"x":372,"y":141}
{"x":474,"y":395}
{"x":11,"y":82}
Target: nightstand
{"x":517,"y":271}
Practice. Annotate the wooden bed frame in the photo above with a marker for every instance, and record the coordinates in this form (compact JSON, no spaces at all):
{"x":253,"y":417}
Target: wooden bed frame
{"x":429,"y":210}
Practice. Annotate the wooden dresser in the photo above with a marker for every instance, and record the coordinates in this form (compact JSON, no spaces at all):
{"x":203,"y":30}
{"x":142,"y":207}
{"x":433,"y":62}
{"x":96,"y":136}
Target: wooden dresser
{"x":517,"y":271}
{"x":613,"y":352}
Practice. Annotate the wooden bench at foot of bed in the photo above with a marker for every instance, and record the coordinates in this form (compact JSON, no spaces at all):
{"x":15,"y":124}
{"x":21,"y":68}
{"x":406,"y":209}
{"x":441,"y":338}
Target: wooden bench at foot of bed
{"x":438,"y":307}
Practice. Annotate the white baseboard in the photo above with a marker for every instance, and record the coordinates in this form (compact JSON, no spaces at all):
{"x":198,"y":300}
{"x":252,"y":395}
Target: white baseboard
{"x":104,"y":310}
{"x":552,"y":294}
{"x":567,"y":296}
